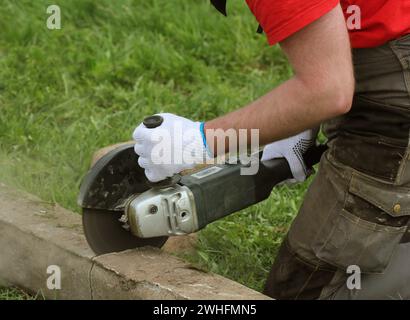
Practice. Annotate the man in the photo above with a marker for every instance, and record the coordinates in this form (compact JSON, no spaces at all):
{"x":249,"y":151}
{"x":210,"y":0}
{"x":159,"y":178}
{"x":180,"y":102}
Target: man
{"x":356,"y":211}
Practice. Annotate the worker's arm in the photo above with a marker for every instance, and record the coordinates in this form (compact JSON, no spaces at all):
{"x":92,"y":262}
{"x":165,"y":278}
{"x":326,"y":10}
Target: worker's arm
{"x":321,"y":88}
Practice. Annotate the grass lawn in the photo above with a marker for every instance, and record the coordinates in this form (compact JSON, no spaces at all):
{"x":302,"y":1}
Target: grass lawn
{"x":66,"y":93}
{"x":14,"y":294}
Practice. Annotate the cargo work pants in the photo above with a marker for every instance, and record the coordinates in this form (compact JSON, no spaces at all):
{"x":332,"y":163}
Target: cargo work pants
{"x":354,"y":220}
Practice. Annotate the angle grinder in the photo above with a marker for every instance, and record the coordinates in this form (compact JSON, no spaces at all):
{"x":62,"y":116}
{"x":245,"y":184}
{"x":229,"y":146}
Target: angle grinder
{"x":122,"y":209}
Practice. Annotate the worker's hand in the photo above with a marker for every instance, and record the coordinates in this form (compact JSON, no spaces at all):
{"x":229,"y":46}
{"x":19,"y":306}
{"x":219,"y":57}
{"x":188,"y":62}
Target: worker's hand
{"x":292,"y":149}
{"x":176,"y":145}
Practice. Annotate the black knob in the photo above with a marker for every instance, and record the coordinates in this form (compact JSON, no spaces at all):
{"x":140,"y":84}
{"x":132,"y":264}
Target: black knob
{"x":153,"y":121}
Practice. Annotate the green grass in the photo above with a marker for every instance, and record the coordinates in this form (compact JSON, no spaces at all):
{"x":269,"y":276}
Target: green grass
{"x":68,"y":92}
{"x":14,"y":294}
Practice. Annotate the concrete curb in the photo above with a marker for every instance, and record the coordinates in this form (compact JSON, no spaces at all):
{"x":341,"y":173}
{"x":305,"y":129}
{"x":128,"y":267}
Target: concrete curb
{"x":35,"y":235}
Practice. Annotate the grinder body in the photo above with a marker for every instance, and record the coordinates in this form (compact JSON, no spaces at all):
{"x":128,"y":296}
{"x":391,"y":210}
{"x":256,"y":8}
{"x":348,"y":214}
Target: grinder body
{"x":202,"y":197}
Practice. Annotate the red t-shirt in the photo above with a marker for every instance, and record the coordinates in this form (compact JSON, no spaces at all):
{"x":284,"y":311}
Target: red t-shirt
{"x":380,"y":20}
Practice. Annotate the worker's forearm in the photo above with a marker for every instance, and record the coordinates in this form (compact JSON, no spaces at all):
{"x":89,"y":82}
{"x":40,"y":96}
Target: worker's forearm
{"x":288,"y":109}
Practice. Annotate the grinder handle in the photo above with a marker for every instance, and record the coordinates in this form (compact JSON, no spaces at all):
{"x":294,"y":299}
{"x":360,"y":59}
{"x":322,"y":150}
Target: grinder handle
{"x":274,"y":171}
{"x":313,"y":154}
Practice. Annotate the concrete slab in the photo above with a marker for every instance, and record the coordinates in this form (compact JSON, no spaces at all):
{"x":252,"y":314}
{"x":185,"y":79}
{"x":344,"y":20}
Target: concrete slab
{"x":35,"y":235}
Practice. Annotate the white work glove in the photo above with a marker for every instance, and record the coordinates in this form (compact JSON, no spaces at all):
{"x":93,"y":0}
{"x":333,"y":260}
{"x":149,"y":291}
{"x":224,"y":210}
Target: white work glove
{"x":292,"y":149}
{"x":176,"y":145}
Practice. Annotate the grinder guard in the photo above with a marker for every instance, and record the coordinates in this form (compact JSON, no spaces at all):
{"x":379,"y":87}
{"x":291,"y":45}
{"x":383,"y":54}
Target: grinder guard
{"x":103,"y":196}
{"x":112,"y":180}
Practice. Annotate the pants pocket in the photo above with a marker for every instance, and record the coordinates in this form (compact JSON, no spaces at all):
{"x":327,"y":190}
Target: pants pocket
{"x":367,"y":229}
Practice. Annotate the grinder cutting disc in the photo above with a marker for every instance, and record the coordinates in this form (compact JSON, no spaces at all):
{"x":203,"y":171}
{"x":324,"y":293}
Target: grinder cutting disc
{"x":105,"y":233}
{"x":104,"y":194}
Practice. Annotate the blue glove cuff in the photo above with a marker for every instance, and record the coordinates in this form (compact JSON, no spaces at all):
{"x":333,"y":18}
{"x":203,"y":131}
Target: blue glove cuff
{"x":202,"y":129}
